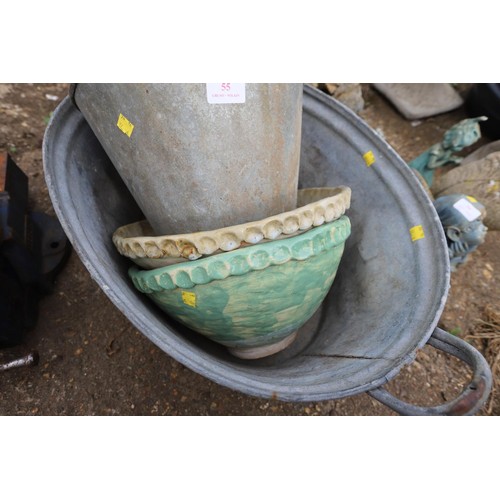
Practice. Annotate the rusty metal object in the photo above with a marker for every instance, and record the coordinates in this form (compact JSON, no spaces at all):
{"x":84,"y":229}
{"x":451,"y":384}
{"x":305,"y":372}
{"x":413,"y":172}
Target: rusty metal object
{"x":471,"y":400}
{"x":192,"y":165}
{"x":473,"y":395}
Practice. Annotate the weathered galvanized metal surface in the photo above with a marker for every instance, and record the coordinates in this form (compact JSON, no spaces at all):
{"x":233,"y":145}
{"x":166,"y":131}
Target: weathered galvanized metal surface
{"x":472,"y":397}
{"x":193,"y":165}
{"x":386,"y":300}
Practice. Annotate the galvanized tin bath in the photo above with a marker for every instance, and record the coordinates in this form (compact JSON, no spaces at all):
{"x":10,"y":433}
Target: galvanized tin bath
{"x":387,"y":298}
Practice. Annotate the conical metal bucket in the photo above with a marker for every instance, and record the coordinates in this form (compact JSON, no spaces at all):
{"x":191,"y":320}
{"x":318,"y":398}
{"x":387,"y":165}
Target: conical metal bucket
{"x":196,"y":157}
{"x":387,"y":298}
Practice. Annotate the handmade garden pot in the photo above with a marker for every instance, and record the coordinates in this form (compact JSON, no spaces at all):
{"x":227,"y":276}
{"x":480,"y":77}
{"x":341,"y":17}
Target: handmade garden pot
{"x":316,"y":206}
{"x":254,"y":299}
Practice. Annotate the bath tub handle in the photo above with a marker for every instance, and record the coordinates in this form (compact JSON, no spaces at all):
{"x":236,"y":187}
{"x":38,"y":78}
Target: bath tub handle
{"x":472,"y":397}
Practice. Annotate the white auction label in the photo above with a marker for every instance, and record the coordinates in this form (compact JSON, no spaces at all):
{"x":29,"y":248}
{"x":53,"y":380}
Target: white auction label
{"x":226,"y":93}
{"x":467,"y":209}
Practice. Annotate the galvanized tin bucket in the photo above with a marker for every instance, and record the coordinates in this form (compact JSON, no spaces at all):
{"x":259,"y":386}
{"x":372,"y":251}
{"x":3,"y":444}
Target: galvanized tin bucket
{"x":194,"y":161}
{"x":390,"y":289}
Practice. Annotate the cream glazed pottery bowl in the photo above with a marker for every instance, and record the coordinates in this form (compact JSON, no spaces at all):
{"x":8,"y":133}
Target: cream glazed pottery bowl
{"x":253,"y":299}
{"x":316,"y":206}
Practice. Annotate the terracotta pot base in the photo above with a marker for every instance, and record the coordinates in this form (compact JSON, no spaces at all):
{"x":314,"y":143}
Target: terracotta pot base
{"x":263,"y":351}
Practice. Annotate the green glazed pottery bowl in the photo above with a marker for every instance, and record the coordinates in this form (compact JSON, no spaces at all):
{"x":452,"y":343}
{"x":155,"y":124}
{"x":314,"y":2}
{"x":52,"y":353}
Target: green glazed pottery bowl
{"x":253,"y":299}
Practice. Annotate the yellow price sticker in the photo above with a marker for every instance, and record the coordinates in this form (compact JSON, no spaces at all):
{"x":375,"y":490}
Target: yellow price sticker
{"x":189,"y":298}
{"x":369,"y":158}
{"x":417,"y":233}
{"x":125,"y":125}
{"x":471,"y":199}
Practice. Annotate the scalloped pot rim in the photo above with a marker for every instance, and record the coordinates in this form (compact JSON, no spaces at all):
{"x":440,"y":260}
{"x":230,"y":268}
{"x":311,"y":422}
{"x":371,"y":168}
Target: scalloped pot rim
{"x":134,"y":242}
{"x":243,"y":260}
